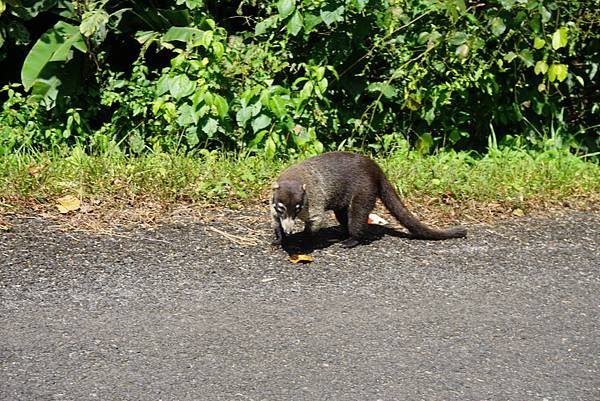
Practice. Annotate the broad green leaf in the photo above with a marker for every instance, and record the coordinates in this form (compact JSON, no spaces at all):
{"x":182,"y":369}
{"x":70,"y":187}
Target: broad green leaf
{"x":540,"y":67}
{"x":277,"y":106}
{"x":243,"y":115}
{"x":260,"y":122}
{"x":257,"y":138}
{"x":424,"y":143}
{"x":413,"y":102}
{"x":285,"y":7}
{"x":472,"y":19}
{"x":552,"y":73}
{"x":507,"y":4}
{"x":429,"y":115}
{"x":187,"y":115}
{"x":162,"y":86}
{"x":204,"y":40}
{"x":527,"y":57}
{"x":46,"y":90}
{"x":146,"y":38}
{"x":192,"y":4}
{"x":510,"y":56}
{"x":458,"y":38}
{"x":54,"y":45}
{"x":93,"y":21}
{"x":181,"y":86}
{"x":256,"y":108}
{"x":221,"y":104}
{"x":294,"y":25}
{"x":386,"y":89}
{"x":192,"y":36}
{"x":558,"y":72}
{"x":322,"y":85}
{"x":265,"y":24}
{"x":210,"y":127}
{"x":538,"y":43}
{"x":181,"y":34}
{"x":497,"y":26}
{"x":307,"y":90}
{"x":546,"y":15}
{"x":310,"y":21}
{"x":535,"y":24}
{"x":208,"y":98}
{"x":329,"y":17}
{"x":218,"y":49}
{"x":359,"y":4}
{"x":560,"y":38}
{"x":423,"y":37}
{"x":191,"y":136}
{"x":270,"y":148}
{"x":201,"y":112}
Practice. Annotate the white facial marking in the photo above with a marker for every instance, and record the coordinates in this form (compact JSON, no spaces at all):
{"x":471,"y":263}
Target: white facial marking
{"x":287,"y":224}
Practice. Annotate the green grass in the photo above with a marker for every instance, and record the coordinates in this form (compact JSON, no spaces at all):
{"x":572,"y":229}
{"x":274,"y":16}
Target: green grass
{"x":519,"y":177}
{"x":516,"y":178}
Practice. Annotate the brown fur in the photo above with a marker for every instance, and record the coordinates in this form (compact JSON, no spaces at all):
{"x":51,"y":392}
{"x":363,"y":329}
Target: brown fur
{"x":348,"y":184}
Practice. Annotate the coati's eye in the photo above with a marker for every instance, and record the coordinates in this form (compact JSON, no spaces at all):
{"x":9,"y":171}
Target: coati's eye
{"x":279,"y":208}
{"x":298,"y":207}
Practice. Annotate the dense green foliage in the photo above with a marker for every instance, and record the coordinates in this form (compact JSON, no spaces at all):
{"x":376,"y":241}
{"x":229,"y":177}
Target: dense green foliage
{"x":298,"y":75}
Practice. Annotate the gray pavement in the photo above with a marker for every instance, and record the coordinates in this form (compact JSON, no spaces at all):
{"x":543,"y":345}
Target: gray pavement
{"x":181,"y":312}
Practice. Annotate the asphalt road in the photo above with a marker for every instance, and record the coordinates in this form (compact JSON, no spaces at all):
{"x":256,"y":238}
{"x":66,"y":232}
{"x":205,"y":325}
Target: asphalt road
{"x":183,"y":312}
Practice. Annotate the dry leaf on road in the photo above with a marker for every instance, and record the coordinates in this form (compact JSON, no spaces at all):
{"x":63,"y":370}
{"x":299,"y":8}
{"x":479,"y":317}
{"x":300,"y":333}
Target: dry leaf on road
{"x":67,"y":204}
{"x":301,"y":259}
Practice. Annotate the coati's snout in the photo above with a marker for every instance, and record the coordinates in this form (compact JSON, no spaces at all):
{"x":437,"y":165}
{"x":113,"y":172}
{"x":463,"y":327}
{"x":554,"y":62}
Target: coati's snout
{"x":288,"y":201}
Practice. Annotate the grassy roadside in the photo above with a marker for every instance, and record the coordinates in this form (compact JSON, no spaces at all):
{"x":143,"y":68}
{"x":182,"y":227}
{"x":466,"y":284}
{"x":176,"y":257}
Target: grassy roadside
{"x":448,"y":185}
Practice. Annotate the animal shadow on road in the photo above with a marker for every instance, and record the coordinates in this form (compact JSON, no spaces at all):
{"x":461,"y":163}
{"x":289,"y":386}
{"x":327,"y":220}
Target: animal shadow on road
{"x":324,"y":238}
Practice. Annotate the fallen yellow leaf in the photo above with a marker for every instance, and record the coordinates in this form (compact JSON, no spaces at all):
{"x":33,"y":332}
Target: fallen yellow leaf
{"x":68,"y":204}
{"x":518,"y":212}
{"x":301,"y":259}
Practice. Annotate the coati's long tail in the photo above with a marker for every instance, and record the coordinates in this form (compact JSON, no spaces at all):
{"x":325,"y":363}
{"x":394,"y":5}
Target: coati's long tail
{"x":392,"y":201}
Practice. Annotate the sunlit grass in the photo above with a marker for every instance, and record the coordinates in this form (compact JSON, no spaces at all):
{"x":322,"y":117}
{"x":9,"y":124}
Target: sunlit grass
{"x":515,"y":177}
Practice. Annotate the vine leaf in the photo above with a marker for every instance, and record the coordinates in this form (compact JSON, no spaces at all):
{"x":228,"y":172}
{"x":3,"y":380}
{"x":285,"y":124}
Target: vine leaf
{"x":560,"y":38}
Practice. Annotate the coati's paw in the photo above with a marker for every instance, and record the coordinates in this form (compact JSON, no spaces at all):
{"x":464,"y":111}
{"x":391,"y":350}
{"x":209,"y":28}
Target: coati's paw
{"x":349,"y":243}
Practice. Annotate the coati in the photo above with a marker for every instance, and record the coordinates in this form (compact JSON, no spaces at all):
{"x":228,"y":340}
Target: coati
{"x":348,"y":184}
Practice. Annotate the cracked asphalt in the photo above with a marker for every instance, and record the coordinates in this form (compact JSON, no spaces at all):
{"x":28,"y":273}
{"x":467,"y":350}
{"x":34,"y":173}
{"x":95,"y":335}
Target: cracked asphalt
{"x":187,"y":312}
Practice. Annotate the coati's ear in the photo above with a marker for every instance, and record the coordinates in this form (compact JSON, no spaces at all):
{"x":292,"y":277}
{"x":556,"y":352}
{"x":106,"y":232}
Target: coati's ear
{"x":304,"y":187}
{"x":275,"y":186}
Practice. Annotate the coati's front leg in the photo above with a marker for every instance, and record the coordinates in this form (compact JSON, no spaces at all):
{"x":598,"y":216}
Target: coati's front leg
{"x":278,"y":230}
{"x":311,"y":226}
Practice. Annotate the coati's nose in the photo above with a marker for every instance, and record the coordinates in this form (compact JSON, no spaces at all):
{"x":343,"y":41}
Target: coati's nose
{"x":287,"y":224}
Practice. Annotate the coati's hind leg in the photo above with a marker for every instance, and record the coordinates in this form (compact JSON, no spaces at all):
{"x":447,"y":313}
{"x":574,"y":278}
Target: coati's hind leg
{"x":358,"y":215}
{"x":341,"y":216}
